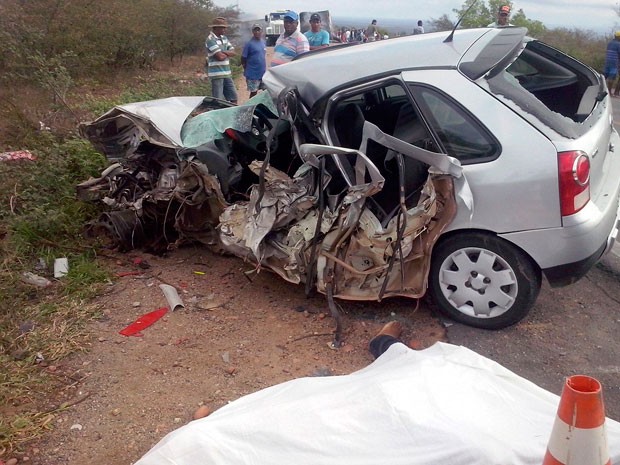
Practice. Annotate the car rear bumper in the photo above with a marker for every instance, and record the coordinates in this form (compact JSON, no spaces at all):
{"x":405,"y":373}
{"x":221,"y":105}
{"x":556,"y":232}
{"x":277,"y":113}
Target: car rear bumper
{"x":563,"y":275}
{"x":567,"y":253}
{"x":567,"y":274}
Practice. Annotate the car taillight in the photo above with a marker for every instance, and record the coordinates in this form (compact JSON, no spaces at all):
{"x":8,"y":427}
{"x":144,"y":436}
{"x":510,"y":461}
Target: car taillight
{"x":574,"y":176}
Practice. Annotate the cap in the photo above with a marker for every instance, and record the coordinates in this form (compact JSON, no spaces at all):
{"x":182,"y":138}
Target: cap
{"x":219,"y":22}
{"x":256,"y":26}
{"x":617,"y":34}
{"x":315,"y":17}
{"x":504,"y":10}
{"x":291,"y":15}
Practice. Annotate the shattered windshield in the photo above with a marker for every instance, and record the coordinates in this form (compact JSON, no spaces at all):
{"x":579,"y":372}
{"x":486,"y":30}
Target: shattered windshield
{"x":206,"y":127}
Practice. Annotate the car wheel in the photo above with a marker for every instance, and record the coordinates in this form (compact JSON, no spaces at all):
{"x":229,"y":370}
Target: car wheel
{"x":483,"y":281}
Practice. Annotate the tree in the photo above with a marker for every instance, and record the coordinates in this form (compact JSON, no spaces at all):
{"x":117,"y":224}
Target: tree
{"x":484,"y":12}
{"x":535,"y":28}
{"x":476,"y":13}
{"x":443,"y":23}
{"x":84,"y":38}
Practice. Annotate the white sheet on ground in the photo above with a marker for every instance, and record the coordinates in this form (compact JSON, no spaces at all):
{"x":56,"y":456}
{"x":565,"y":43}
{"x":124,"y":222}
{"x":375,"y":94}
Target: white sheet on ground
{"x":443,"y":405}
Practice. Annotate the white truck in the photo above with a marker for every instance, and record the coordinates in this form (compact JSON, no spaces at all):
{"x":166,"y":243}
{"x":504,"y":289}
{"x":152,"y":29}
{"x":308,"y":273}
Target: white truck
{"x":275,"y":24}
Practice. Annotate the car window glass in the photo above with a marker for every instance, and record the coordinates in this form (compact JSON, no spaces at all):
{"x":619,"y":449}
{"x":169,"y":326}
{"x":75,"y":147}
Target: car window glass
{"x":551,"y":88}
{"x":462,"y":136}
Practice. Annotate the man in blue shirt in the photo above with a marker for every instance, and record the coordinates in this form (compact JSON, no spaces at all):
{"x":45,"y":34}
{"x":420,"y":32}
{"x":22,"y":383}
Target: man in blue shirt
{"x":253,"y":60}
{"x":317,"y":38}
{"x":611,"y":61}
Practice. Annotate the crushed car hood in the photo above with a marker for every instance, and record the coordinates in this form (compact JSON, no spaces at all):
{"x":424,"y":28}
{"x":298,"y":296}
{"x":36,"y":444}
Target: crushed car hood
{"x":158,"y":121}
{"x":174,"y":122}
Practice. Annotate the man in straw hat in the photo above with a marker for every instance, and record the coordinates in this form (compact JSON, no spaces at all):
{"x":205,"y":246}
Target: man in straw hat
{"x":219,"y":50}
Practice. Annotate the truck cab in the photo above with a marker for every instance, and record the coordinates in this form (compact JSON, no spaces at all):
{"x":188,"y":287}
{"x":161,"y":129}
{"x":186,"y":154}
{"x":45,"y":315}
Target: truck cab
{"x":274,"y":26}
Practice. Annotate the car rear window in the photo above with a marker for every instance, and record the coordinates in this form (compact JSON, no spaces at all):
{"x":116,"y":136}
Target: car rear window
{"x":550,"y":86}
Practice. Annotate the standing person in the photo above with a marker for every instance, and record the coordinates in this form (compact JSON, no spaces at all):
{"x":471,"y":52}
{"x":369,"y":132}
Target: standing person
{"x":371,"y":31}
{"x":419,"y":29}
{"x":317,"y":37}
{"x":219,"y":50}
{"x":291,"y":42}
{"x":503,"y":15}
{"x":253,"y":60}
{"x":612,"y":56}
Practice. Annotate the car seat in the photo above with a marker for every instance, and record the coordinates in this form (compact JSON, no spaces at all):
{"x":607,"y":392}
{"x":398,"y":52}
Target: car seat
{"x":349,"y":125}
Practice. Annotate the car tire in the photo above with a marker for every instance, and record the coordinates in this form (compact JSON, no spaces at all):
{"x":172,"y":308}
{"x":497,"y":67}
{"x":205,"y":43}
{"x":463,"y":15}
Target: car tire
{"x":482,"y":280}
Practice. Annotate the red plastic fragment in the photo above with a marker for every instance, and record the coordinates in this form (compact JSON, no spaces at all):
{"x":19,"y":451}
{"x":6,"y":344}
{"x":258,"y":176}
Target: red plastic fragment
{"x":143,"y":322}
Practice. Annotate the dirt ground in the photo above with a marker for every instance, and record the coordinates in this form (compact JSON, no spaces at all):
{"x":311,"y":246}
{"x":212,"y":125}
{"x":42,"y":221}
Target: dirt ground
{"x":238,"y":332}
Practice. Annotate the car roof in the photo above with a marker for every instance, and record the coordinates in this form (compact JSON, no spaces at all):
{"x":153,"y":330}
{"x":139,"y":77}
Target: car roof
{"x":315,"y":74}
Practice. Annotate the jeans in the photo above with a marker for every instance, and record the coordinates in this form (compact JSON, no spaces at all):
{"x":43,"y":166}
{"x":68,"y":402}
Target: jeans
{"x":224,"y":89}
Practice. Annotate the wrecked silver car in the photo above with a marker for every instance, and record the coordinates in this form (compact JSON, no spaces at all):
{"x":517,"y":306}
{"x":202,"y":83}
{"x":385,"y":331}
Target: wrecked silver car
{"x":298,"y":209}
{"x":473,"y":164}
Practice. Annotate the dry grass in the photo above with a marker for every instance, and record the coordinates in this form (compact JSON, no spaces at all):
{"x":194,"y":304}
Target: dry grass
{"x":39,"y":327}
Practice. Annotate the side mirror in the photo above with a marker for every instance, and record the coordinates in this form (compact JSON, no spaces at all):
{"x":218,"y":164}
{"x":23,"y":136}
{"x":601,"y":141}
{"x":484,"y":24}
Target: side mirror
{"x":266,"y":18}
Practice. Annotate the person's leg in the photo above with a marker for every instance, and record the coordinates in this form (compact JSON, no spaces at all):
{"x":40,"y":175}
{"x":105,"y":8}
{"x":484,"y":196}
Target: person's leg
{"x":230,"y":92}
{"x":610,"y":79}
{"x":253,"y":85}
{"x":387,"y":336}
{"x":217,"y":88}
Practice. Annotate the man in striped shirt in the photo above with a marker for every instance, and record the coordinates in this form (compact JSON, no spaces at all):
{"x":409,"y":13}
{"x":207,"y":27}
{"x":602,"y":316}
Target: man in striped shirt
{"x":219,"y":50}
{"x":291,"y":42}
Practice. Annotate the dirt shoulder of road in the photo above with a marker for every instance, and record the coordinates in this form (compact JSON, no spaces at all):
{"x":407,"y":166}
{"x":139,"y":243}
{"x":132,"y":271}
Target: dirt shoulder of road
{"x":239,"y":332}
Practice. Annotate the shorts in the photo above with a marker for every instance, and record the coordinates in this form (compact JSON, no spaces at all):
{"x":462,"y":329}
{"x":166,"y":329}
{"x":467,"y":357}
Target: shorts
{"x":253,"y":84}
{"x":611,"y":70}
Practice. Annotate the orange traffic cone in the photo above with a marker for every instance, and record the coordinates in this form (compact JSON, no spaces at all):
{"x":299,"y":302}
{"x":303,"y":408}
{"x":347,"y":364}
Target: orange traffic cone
{"x":578,"y":436}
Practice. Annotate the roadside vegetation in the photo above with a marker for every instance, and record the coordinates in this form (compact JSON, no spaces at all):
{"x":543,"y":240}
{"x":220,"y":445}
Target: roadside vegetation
{"x":64,"y":62}
{"x":585,"y":45}
{"x":60,"y":67}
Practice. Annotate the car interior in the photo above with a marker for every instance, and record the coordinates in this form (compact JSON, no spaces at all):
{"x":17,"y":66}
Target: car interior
{"x":560,"y":83}
{"x":390,"y":109}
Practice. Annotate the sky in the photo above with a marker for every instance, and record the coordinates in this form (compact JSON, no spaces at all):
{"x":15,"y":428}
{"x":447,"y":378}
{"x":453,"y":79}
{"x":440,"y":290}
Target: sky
{"x":597,"y":15}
